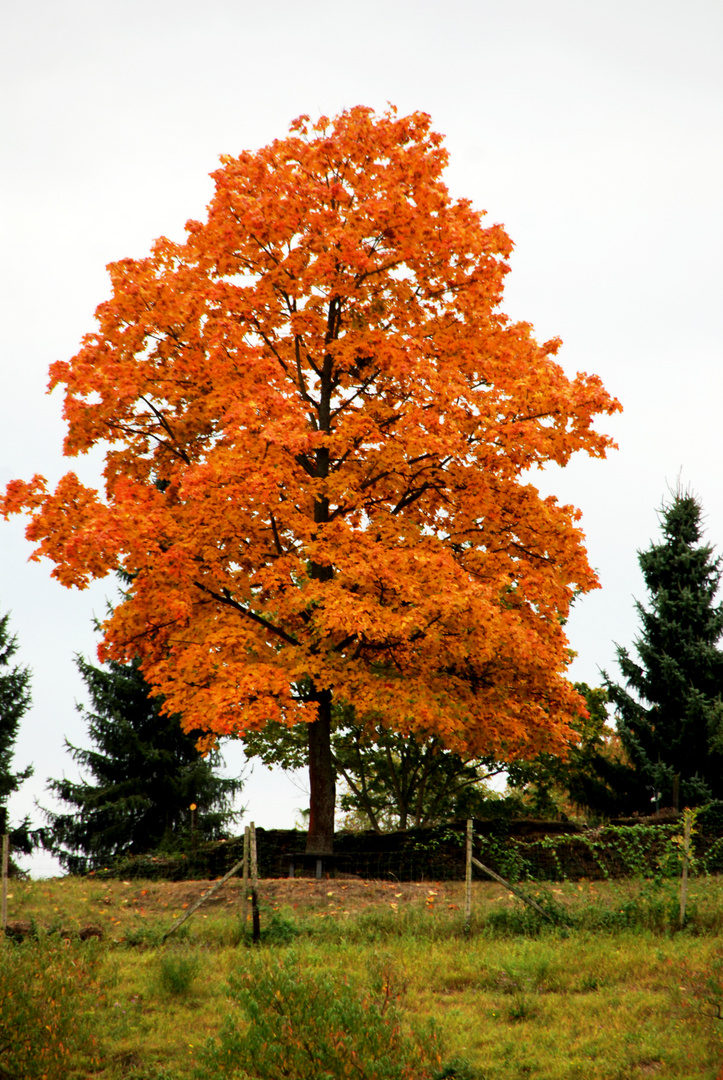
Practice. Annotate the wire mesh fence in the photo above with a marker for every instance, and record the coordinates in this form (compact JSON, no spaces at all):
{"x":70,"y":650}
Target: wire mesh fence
{"x":518,"y":850}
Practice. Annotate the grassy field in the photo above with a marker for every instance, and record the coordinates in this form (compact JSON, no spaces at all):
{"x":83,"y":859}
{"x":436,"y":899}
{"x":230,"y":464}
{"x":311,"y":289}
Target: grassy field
{"x":612,"y":990}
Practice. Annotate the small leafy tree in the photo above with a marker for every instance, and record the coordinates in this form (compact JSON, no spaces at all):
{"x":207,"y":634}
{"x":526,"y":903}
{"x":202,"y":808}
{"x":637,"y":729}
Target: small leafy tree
{"x":146,"y":773}
{"x":398,"y":781}
{"x":390,"y":780}
{"x":14,"y":703}
{"x":669,"y":710}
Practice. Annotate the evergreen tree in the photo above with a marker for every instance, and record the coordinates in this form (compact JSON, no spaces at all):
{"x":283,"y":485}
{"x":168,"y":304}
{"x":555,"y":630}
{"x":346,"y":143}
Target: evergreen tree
{"x":146,"y":771}
{"x":669,"y":713}
{"x":14,"y":703}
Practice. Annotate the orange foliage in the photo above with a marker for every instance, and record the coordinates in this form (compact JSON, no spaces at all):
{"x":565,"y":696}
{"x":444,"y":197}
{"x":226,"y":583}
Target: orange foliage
{"x":318,"y":427}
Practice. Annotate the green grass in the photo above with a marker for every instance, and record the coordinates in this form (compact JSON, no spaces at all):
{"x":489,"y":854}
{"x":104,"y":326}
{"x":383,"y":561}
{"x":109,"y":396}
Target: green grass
{"x":613,"y":992}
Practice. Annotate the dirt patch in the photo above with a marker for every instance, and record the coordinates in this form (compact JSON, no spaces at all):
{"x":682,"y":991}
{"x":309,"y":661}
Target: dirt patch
{"x":296,"y":894}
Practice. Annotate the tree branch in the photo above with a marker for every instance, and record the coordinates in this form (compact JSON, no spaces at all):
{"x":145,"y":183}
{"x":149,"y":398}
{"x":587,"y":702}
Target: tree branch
{"x":224,"y":597}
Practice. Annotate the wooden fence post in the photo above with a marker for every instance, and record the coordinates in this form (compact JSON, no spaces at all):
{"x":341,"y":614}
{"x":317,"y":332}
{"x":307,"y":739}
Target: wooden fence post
{"x":468,"y":879}
{"x":472,"y":861}
{"x":202,"y":900}
{"x":245,"y":899}
{"x":5,"y":864}
{"x":254,"y":887}
{"x":687,"y":822}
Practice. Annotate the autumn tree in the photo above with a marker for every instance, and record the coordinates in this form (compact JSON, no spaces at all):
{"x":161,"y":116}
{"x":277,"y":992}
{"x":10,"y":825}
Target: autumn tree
{"x":669,"y":709}
{"x":319,"y":428}
{"x":595,"y":776}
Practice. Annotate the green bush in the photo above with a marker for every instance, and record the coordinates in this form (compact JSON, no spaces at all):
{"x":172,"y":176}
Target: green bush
{"x":177,"y":972}
{"x":710,"y":817}
{"x":279,"y":930}
{"x":311,"y":1025}
{"x":148,"y":937}
{"x":45,"y":1017}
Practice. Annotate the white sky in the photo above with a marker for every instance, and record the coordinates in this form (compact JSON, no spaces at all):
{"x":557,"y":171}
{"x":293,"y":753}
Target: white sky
{"x":592,"y":131}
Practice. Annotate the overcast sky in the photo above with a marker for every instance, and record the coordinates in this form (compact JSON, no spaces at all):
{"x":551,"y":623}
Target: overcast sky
{"x":592,"y":131}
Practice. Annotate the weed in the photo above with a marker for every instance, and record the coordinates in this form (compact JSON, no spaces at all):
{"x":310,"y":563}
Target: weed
{"x":521,"y":1009}
{"x":148,"y":937}
{"x":512,"y":921}
{"x":456,"y":1069}
{"x":530,"y":972}
{"x":278,"y":930}
{"x":177,"y":972}
{"x":706,"y":988}
{"x":149,"y":1072}
{"x":380,"y":926}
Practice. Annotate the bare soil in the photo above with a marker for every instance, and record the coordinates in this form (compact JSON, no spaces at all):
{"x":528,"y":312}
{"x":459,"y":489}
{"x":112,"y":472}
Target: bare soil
{"x":304,"y":894}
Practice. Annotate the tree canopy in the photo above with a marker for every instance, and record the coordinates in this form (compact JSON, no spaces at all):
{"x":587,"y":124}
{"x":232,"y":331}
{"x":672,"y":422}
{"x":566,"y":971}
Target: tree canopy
{"x":319,"y":428}
{"x":595,"y":776}
{"x":670,"y":709}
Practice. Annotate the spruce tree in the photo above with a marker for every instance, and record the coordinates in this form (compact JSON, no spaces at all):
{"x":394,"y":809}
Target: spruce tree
{"x":669,"y":712}
{"x":146,"y":772}
{"x":14,"y":703}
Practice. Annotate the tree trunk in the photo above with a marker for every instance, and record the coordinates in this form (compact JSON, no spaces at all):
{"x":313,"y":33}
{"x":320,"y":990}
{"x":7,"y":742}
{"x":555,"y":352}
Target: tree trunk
{"x":322,"y":781}
{"x":322,"y":778}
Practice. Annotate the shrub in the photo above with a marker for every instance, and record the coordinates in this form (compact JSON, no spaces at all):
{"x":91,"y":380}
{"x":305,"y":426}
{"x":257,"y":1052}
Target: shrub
{"x":311,"y":1025}
{"x":279,"y":930}
{"x":45,"y":1022}
{"x":456,"y":1069}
